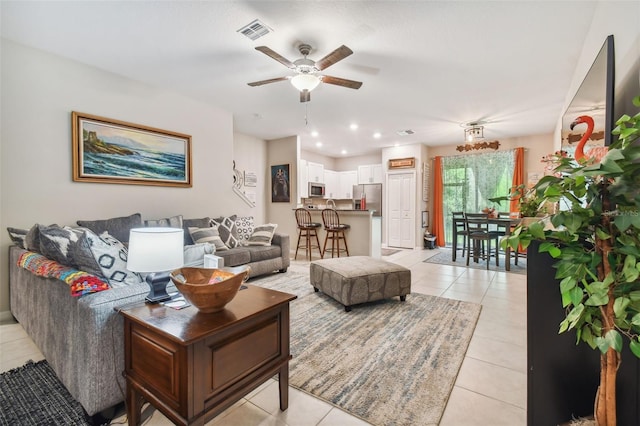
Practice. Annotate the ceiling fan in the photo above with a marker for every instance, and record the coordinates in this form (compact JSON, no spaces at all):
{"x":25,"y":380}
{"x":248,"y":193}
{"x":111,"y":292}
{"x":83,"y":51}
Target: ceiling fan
{"x":307,"y":78}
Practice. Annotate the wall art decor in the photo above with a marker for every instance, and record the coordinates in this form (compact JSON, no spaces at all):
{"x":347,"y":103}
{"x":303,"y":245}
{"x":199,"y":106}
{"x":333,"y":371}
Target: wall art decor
{"x":402,"y":163}
{"x":113,"y":151}
{"x":280,"y":188}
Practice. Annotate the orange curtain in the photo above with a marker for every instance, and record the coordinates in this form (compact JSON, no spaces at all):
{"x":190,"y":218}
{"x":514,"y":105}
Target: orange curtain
{"x":438,"y":214}
{"x":518,"y":176}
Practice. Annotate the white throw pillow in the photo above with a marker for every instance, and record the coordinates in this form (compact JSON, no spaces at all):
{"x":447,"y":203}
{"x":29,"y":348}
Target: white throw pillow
{"x":262,"y":235}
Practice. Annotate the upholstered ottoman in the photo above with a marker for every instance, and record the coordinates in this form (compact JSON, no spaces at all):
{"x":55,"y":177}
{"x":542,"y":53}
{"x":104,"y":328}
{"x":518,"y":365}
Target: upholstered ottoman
{"x":359,"y":279}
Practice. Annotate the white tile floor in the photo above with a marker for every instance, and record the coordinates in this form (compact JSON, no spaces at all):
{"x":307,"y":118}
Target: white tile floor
{"x":490,"y":388}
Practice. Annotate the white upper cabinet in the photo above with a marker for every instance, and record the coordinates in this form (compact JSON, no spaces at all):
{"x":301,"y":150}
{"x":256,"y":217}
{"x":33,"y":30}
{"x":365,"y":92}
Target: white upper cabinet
{"x":303,"y":179}
{"x":331,"y":185}
{"x":370,"y":173}
{"x":316,"y":172}
{"x":346,"y":181}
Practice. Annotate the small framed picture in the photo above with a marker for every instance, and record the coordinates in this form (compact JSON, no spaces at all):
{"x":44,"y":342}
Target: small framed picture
{"x":425,"y":219}
{"x":280,"y":188}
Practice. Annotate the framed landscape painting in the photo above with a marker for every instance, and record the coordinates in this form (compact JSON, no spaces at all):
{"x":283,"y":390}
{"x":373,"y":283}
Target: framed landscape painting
{"x":113,"y":151}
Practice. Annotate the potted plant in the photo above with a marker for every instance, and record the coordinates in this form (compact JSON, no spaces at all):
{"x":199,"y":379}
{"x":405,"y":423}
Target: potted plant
{"x":595,"y":244}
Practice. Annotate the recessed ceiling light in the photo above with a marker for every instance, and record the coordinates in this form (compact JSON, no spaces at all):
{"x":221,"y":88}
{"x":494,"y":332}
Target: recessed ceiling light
{"x":344,"y":151}
{"x":377,"y":135}
{"x":318,"y":144}
{"x":353,"y":126}
{"x":314,"y":134}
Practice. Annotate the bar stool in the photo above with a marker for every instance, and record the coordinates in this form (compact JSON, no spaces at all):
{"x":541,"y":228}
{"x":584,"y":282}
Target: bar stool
{"x":335,"y":232}
{"x":307,"y":230}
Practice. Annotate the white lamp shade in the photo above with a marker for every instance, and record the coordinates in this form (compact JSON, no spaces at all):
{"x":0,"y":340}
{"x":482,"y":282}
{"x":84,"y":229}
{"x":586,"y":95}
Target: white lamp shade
{"x":305,"y":82}
{"x":155,"y":249}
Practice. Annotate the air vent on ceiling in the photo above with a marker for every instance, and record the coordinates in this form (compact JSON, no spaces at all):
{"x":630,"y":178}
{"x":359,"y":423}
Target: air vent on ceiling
{"x":405,"y":132}
{"x":255,"y":30}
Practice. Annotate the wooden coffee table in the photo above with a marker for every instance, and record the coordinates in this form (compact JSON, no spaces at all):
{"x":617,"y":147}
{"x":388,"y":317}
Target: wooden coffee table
{"x":192,"y":366}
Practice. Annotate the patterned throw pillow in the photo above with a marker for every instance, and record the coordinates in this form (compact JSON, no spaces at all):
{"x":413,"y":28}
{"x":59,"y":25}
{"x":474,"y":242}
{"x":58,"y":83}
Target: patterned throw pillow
{"x":111,"y":256}
{"x":17,"y":236}
{"x":262,"y":235}
{"x":244,"y":225}
{"x":193,"y":223}
{"x":56,"y":243}
{"x":228,"y":230}
{"x":208,"y":235}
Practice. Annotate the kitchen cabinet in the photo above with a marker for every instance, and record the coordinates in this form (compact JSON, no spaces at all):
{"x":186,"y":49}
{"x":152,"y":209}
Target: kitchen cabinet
{"x":315,"y":172}
{"x":331,"y":184}
{"x":370,"y":173}
{"x":346,"y":180}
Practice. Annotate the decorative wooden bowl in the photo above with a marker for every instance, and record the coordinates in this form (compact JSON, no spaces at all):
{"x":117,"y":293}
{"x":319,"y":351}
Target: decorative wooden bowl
{"x":209,"y":290}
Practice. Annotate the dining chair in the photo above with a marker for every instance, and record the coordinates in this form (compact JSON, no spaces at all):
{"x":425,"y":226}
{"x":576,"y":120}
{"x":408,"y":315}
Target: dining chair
{"x":308,"y":230}
{"x":479,"y":235}
{"x":335,"y":232}
{"x":459,"y":230}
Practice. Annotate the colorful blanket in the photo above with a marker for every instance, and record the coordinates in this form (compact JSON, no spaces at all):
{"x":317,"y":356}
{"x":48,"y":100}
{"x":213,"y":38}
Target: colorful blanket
{"x":80,"y":282}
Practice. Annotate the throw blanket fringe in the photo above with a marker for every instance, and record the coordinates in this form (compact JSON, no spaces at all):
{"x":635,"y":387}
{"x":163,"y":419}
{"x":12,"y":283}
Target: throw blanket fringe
{"x":80,"y":282}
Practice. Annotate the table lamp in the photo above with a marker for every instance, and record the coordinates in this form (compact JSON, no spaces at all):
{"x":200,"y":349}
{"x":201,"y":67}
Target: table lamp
{"x":156,"y":251}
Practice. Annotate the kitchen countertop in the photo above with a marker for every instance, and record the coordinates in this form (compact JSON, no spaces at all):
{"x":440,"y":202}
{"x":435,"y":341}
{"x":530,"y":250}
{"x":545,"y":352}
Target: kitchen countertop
{"x":338,"y":209}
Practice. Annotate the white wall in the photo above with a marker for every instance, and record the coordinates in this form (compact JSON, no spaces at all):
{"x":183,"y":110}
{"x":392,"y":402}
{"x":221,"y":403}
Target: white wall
{"x":39,"y":91}
{"x":250,"y":154}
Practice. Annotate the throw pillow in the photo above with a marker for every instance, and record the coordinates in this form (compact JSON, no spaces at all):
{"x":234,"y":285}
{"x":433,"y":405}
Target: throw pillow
{"x":17,"y":236}
{"x":111,"y":255}
{"x":118,"y":227}
{"x":32,"y":239}
{"x":168,"y":222}
{"x":228,"y":230}
{"x":208,"y":235}
{"x":194,"y":254}
{"x":262,"y":235}
{"x":82,"y":255}
{"x":193,"y":223}
{"x":244,"y":225}
{"x":56,"y":243}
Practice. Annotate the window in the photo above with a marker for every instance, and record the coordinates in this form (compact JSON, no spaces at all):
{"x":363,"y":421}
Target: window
{"x":469,"y":181}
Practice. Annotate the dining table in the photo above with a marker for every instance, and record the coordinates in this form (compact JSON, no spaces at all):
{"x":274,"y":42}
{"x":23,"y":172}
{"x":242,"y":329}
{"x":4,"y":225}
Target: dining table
{"x":501,"y":224}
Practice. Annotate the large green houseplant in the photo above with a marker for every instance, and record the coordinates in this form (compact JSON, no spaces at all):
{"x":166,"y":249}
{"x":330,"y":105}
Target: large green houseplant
{"x":595,"y":243}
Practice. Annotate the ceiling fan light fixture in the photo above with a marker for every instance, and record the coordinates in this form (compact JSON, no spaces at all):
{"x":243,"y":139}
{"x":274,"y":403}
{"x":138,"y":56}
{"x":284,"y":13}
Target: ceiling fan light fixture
{"x":305,"y":82}
{"x":473,"y":133}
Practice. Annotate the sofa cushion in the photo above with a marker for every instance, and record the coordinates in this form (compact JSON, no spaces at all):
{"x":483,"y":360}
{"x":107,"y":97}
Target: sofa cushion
{"x":17,"y":236}
{"x":117,"y":227}
{"x":82,"y":255}
{"x":32,"y":239}
{"x":207,"y":235}
{"x":235,"y":256}
{"x":258,"y":253}
{"x":262,"y":235}
{"x":167,"y":222}
{"x":111,"y":255}
{"x":193,"y":223}
{"x":228,"y":230}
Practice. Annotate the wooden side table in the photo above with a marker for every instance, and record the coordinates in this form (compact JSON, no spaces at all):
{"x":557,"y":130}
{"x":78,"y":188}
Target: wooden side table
{"x":192,"y":366}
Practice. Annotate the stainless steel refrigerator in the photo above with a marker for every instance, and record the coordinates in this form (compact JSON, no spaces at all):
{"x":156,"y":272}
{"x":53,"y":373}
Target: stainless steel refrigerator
{"x":373,"y":192}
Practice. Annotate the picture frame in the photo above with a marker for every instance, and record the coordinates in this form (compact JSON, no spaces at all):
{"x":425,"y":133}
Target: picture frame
{"x":106,"y":150}
{"x":280,"y":184}
{"x":425,"y":219}
{"x":402,"y":163}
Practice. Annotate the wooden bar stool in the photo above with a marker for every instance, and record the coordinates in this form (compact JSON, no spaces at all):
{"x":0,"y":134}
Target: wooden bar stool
{"x":307,"y":229}
{"x":335,"y":232}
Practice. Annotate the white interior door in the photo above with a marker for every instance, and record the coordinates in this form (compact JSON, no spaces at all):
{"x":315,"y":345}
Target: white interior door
{"x":402,"y":201}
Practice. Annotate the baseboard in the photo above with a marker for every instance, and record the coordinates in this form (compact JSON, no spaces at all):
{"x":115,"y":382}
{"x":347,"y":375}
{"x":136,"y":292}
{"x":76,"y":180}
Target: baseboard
{"x":6,"y":317}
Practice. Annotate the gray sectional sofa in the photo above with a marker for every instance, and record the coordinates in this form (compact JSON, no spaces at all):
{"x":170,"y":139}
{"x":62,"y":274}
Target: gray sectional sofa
{"x":82,"y":337}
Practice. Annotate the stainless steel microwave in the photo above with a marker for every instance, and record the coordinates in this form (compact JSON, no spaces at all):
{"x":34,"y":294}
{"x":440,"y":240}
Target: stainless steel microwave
{"x":316,"y":189}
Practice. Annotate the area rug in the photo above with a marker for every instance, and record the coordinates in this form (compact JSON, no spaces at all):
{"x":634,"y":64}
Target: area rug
{"x":33,"y":395}
{"x":443,"y":257}
{"x":389,"y":252}
{"x":387,"y":362}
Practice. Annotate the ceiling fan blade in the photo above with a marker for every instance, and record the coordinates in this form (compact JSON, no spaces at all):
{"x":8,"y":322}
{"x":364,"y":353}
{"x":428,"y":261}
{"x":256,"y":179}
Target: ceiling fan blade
{"x":272,"y":80}
{"x":337,"y":55}
{"x":305,"y":96}
{"x":351,"y":84}
{"x":278,"y":57}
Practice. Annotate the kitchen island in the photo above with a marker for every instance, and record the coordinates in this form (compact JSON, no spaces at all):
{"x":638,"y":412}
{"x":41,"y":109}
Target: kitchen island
{"x":364,"y":238}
